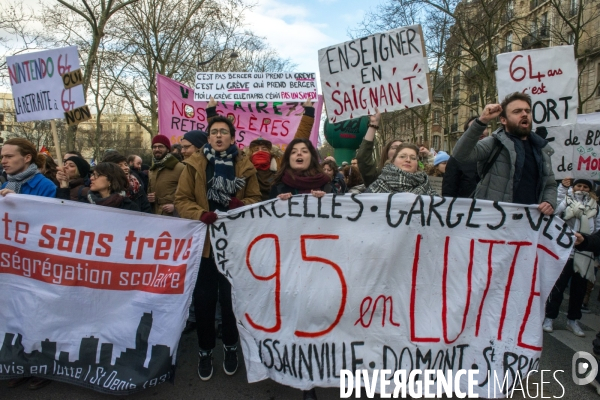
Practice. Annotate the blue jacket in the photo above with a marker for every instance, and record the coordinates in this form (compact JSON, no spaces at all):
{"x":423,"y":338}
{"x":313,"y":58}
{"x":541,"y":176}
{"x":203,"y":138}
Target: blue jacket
{"x":39,"y":185}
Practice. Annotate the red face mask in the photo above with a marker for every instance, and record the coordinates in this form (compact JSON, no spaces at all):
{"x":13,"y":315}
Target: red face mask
{"x":261,"y":160}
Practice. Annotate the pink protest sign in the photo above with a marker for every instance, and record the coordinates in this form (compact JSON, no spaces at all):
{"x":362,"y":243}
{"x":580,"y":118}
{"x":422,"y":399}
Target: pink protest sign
{"x":178,"y":113}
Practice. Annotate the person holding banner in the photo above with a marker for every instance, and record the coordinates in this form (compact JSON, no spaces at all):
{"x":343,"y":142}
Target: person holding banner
{"x":217,"y":178}
{"x":364,"y":154}
{"x":402,"y":175}
{"x":300,"y":172}
{"x":579,"y":209}
{"x":19,"y":161}
{"x":330,"y":169}
{"x":516,"y":161}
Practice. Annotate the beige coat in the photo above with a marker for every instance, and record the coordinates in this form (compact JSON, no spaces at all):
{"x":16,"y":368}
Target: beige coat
{"x":163,"y":183}
{"x":190,"y":198}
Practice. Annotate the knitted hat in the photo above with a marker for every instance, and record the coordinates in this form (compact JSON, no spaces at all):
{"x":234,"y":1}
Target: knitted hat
{"x":441,"y":157}
{"x":261,"y":142}
{"x":82,"y":166}
{"x":587,"y":182}
{"x":197,"y":138}
{"x":162,"y":139}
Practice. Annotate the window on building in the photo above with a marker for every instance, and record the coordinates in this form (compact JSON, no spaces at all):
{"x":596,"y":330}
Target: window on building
{"x":455,"y":118}
{"x":1,"y":103}
{"x":437,"y":117}
{"x":128,"y":128}
{"x":508,"y":42}
{"x":1,"y":117}
{"x":544,"y":24}
{"x":436,"y":142}
{"x":571,"y":38}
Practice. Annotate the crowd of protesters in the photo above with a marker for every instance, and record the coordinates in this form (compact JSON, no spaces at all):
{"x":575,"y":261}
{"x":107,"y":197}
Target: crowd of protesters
{"x":207,"y":172}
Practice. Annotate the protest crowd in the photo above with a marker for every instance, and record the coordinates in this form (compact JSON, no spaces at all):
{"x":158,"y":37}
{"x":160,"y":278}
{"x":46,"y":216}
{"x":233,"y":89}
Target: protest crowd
{"x":207,"y":173}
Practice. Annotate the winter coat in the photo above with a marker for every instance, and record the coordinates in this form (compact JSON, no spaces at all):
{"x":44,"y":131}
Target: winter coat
{"x":163,"y":183}
{"x":39,"y":185}
{"x":190,"y":197}
{"x":497,"y":185}
{"x":366,"y":162}
{"x":574,"y":223}
{"x":460,"y":180}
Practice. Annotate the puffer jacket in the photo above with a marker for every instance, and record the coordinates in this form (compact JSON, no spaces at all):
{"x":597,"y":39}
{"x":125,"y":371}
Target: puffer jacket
{"x":574,"y":223}
{"x":190,"y":197}
{"x":497,"y":185}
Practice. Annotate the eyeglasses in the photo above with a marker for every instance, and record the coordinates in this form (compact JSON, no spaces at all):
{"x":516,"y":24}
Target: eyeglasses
{"x":185,"y":147}
{"x":158,"y":147}
{"x":518,"y":111}
{"x":222,"y":131}
{"x":406,"y":156}
{"x":96,"y":175}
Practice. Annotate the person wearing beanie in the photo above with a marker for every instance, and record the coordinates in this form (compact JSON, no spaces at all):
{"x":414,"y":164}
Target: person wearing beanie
{"x":439,"y":164}
{"x":578,"y":207}
{"x":72,"y":178}
{"x":163,"y":176}
{"x":217,"y":178}
{"x":191,"y":142}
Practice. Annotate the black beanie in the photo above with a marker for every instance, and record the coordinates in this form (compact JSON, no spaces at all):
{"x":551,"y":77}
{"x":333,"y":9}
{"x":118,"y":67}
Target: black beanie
{"x":197,"y":138}
{"x":82,"y":166}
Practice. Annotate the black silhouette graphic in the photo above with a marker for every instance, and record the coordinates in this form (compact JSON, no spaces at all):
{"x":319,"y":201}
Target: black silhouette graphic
{"x":127,"y":375}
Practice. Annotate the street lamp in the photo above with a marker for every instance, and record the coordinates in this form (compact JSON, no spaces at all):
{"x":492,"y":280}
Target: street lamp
{"x":233,"y":55}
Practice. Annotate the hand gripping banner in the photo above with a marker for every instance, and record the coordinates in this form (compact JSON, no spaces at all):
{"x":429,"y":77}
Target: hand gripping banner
{"x":398,"y":282}
{"x":91,"y":295}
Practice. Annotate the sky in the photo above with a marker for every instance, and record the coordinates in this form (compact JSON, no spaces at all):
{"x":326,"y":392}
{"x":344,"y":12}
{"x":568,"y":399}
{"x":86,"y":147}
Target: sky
{"x":297,"y":30}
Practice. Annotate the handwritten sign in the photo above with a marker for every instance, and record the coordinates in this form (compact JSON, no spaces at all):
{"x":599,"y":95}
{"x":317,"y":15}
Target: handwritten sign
{"x":549,"y":76}
{"x":276,"y":121}
{"x":93,"y":296}
{"x":246,"y":86}
{"x":73,"y":78}
{"x":577,"y":148}
{"x":378,"y":281}
{"x":78,"y":115}
{"x":37,"y":85}
{"x":387,"y":70}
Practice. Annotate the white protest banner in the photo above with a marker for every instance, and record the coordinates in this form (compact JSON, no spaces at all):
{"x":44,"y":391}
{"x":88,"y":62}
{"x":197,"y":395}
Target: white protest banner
{"x":548,"y":75}
{"x":576,"y":148}
{"x":387,"y":70}
{"x":379,"y":281}
{"x":37,"y":85}
{"x":92,"y":295}
{"x":245,"y":86}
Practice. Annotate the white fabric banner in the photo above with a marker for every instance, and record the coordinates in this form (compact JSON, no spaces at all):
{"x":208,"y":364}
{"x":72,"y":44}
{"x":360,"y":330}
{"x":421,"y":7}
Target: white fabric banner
{"x":378,"y":281}
{"x":37,"y":86}
{"x":387,"y":70}
{"x":548,"y":75}
{"x":576,"y":148}
{"x":93,"y":296}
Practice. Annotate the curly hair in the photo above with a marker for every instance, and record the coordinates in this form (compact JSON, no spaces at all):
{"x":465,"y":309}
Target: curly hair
{"x":352,"y":175}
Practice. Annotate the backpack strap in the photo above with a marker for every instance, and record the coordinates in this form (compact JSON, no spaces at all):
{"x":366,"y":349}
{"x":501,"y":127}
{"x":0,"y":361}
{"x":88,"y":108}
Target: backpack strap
{"x":490,"y":161}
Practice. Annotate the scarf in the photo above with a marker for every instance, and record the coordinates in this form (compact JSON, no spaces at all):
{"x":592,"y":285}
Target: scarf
{"x":395,"y":180}
{"x":304,"y":184}
{"x":133,"y":188}
{"x":261,"y":160}
{"x":581,"y":206}
{"x":114,"y":200}
{"x":224,"y":182}
{"x":160,"y":164}
{"x":16,"y":181}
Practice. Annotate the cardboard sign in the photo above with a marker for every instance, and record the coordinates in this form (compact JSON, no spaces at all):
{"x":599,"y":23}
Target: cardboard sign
{"x":381,"y":281}
{"x":72,"y":79}
{"x":387,"y":70}
{"x":577,"y":148}
{"x":549,"y":76}
{"x":274,"y":121}
{"x":253,"y":86}
{"x":37,"y":85}
{"x":93,"y":296}
{"x":78,"y":115}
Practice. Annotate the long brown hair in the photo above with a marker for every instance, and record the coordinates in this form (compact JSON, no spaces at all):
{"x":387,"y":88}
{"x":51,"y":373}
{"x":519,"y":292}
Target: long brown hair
{"x":313,"y":169}
{"x":384,"y":152}
{"x":352,"y":175}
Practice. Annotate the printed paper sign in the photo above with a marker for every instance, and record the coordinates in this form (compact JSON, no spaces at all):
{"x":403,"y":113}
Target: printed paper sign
{"x":274,"y":121}
{"x":378,"y":281}
{"x":253,"y":86}
{"x":93,"y":296}
{"x":37,"y":84}
{"x":548,"y":75}
{"x":387,"y":70}
{"x":577,"y":148}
